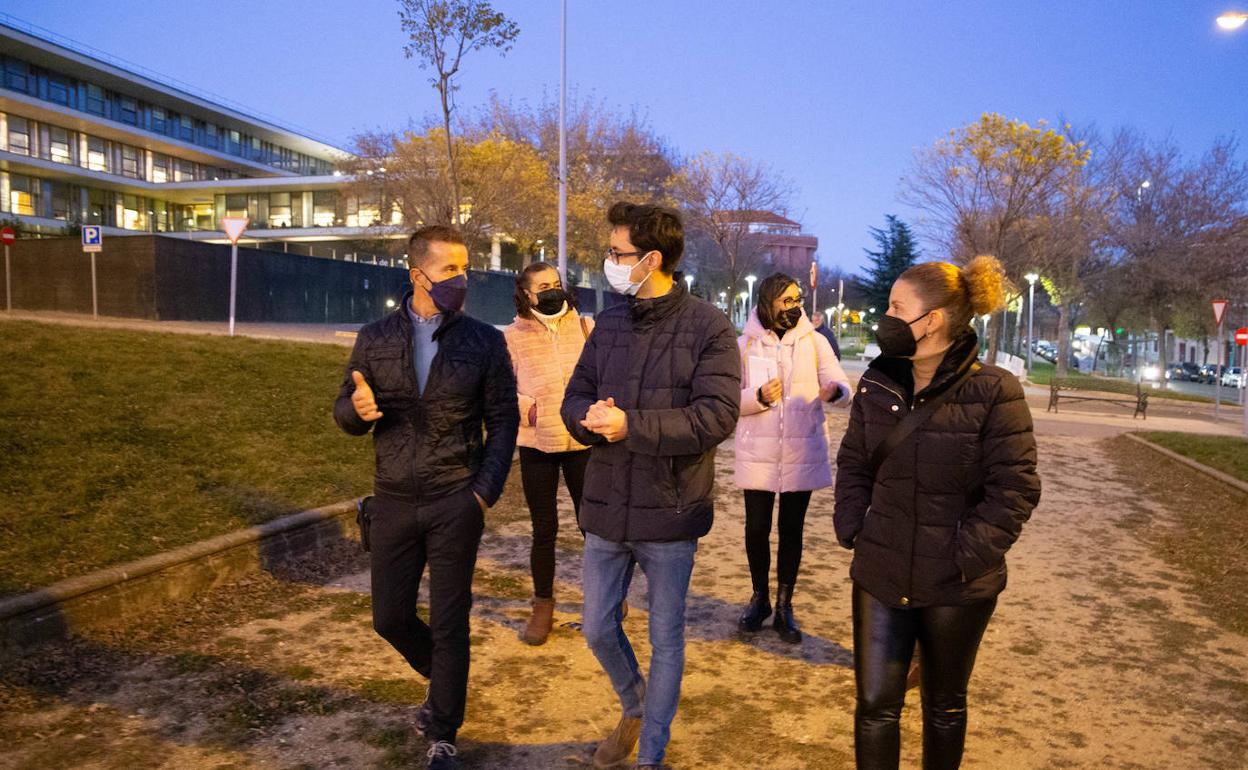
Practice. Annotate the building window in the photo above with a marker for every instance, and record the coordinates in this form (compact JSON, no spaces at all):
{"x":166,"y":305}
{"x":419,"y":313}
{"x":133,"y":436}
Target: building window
{"x":279,"y":210}
{"x":19,"y":135}
{"x":97,"y":158}
{"x":186,"y":129}
{"x":58,"y":90}
{"x":128,"y":111}
{"x":160,"y":168}
{"x":236,"y":205}
{"x":95,"y":99}
{"x":211,"y":138}
{"x":158,"y":120}
{"x":58,"y":145}
{"x":17,"y":75}
{"x":234,"y":145}
{"x":129,"y":161}
{"x":22,"y":195}
{"x":60,"y":200}
{"x":131,"y":213}
{"x":324,"y":208}
{"x":186,"y":171}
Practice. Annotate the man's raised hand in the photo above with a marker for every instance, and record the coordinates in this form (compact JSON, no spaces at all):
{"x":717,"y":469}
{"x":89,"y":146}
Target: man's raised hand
{"x":362,"y":399}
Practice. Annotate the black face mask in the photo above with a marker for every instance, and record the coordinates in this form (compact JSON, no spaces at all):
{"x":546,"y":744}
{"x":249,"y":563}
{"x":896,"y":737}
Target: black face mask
{"x":895,"y":337}
{"x":550,"y":301}
{"x":789,"y":318}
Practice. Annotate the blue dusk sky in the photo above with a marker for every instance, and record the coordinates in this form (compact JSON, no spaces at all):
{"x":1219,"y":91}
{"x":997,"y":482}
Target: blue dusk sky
{"x":835,"y":95}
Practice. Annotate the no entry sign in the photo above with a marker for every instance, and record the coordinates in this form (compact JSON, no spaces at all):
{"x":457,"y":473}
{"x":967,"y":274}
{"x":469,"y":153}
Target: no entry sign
{"x":7,"y":236}
{"x":1241,"y":335}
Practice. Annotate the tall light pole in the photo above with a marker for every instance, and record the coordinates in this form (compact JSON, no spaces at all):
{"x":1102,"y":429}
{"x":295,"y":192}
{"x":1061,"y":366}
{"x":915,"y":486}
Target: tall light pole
{"x":750,"y":279}
{"x":689,"y":283}
{"x":1031,"y":314}
{"x":563,"y":142}
{"x":745,"y":307}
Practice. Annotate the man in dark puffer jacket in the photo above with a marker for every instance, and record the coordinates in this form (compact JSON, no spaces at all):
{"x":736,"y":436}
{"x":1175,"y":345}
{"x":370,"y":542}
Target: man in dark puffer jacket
{"x":657,"y":388}
{"x":425,"y":379}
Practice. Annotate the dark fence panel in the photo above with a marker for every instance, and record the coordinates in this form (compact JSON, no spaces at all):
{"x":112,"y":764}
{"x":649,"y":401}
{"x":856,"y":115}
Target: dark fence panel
{"x":174,"y":279}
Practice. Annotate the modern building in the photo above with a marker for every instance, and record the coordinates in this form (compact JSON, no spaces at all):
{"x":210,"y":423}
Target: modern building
{"x":89,"y":139}
{"x":780,"y":239}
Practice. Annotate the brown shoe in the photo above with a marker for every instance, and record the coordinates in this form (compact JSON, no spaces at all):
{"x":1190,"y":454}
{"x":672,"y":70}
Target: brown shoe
{"x":617,"y":747}
{"x":540,"y":621}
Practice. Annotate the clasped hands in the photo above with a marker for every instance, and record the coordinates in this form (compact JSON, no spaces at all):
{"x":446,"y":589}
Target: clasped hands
{"x":607,"y":420}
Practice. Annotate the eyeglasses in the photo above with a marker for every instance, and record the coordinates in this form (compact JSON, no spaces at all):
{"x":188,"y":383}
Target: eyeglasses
{"x":614,"y":255}
{"x":792,"y":302}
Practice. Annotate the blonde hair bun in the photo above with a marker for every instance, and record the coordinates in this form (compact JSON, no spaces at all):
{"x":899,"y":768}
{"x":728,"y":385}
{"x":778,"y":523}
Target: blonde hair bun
{"x":985,"y":284}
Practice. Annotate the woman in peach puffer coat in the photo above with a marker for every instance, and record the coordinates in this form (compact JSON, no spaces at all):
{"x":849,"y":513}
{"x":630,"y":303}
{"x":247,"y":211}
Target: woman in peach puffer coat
{"x":545,"y":343}
{"x":781,"y":446}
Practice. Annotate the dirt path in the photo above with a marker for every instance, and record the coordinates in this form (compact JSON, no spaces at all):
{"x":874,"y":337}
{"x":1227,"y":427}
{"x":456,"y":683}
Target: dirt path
{"x":1099,"y":657}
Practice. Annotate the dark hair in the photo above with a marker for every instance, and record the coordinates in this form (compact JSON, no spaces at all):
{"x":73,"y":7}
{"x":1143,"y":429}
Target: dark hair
{"x":976,"y":288}
{"x":768,"y":292}
{"x":418,"y":243}
{"x":524,"y":280}
{"x":651,"y":228}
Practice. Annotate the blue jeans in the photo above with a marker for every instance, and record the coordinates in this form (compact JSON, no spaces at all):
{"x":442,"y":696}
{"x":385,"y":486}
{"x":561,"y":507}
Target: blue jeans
{"x":607,"y":574}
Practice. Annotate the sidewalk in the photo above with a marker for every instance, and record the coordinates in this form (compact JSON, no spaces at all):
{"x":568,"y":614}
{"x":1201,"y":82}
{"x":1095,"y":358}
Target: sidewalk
{"x":338,"y":334}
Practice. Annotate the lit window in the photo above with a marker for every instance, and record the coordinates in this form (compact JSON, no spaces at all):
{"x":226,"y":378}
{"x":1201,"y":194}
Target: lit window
{"x":21,"y":196}
{"x":19,"y":135}
{"x":58,"y":145}
{"x":160,"y":168}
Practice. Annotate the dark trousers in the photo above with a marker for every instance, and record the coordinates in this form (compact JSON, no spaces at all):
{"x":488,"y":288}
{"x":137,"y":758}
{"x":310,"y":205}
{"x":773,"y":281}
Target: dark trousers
{"x":884,"y":639}
{"x":539,"y":475}
{"x":758,"y":506}
{"x":444,"y":535}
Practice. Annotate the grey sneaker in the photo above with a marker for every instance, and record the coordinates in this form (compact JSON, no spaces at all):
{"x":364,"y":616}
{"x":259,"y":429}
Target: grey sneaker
{"x":443,"y":756}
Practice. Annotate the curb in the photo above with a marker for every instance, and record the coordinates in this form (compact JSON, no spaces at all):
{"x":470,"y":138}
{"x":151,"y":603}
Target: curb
{"x":1225,"y":478}
{"x":129,"y":591}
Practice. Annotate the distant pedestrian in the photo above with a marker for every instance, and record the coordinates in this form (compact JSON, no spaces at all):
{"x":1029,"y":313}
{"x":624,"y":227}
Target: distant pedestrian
{"x":426,"y":379}
{"x":781,"y":446}
{"x":545,"y":342}
{"x":656,"y":390}
{"x":935,"y":477}
{"x":817,"y":318}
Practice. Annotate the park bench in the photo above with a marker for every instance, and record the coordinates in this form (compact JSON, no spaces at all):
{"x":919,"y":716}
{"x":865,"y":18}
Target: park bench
{"x":869,"y":352}
{"x":1074,"y":389}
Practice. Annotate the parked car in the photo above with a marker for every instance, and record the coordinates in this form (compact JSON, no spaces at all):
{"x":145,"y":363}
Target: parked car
{"x":1209,"y":373}
{"x":1047,"y":351}
{"x":1233,"y":377}
{"x":1185,"y":371}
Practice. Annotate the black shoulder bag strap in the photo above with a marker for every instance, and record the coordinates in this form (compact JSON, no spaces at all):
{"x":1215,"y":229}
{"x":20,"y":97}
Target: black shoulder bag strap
{"x":915,"y":419}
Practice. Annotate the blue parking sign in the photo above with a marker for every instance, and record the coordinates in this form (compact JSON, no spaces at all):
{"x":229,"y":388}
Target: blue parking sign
{"x":92,"y":238}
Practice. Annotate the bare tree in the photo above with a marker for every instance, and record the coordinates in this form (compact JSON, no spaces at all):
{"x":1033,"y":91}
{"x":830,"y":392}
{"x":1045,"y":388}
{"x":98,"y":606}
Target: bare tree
{"x":979,"y":187}
{"x":441,"y":33}
{"x":721,"y":196}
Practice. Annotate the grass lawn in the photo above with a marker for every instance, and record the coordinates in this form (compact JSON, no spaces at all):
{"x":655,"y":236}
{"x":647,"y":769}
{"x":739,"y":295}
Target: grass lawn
{"x":1228,"y":454}
{"x":1043,"y":372}
{"x":119,"y":444}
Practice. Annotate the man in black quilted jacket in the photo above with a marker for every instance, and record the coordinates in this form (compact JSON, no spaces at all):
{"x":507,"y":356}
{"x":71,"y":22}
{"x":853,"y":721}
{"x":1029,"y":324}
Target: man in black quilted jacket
{"x":426,"y":379}
{"x":656,"y":389}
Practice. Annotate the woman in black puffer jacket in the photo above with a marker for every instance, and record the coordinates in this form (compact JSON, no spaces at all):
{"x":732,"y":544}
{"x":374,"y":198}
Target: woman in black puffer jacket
{"x":931,"y":524}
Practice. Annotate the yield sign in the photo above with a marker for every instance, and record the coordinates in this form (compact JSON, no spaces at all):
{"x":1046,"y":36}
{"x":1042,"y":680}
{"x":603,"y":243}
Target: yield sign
{"x":234,"y":227}
{"x":1219,"y":310}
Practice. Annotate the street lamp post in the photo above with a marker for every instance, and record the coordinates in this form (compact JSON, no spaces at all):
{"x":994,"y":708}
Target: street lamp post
{"x":689,"y":283}
{"x":1031,"y":314}
{"x":563,"y":142}
{"x":745,"y":307}
{"x":750,"y":279}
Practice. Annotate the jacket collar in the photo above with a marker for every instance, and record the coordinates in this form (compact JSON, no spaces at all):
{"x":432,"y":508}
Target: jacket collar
{"x":648,"y":312}
{"x":405,"y":321}
{"x":961,"y":355}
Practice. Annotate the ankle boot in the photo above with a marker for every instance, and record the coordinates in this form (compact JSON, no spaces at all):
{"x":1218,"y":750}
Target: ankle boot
{"x":758,"y":610}
{"x":783,"y":622}
{"x":540,"y":621}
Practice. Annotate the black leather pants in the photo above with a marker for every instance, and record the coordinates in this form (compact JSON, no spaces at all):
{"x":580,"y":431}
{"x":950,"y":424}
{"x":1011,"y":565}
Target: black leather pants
{"x":884,"y":639}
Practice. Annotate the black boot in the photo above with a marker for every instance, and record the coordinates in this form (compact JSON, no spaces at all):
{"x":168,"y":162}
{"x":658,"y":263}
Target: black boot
{"x":755,"y":612}
{"x":783,"y":622}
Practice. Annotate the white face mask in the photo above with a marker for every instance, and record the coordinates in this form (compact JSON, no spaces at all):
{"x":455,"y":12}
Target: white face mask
{"x":539,"y":315}
{"x":619,"y":277}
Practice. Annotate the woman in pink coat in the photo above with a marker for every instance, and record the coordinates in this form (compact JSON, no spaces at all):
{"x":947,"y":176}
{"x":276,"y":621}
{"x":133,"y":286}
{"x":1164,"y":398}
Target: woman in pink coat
{"x":545,"y":343}
{"x":781,"y":446}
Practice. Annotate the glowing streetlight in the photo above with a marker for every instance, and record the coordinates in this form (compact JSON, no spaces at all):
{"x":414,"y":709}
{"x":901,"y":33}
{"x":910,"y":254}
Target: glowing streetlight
{"x":1031,"y":314}
{"x":1232,"y":20}
{"x":689,"y":283}
{"x":750,"y":279}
